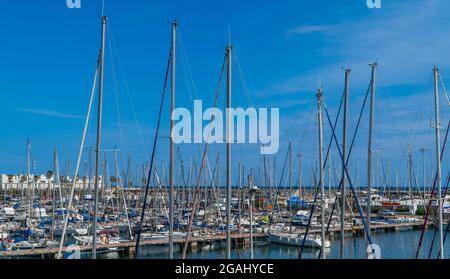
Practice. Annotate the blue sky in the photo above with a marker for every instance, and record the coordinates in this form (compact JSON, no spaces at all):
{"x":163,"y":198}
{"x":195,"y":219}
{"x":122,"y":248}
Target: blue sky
{"x":285,"y":50}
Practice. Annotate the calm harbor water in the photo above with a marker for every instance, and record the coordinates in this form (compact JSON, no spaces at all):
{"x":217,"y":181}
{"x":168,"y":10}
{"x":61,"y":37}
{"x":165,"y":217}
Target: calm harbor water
{"x":394,"y":245}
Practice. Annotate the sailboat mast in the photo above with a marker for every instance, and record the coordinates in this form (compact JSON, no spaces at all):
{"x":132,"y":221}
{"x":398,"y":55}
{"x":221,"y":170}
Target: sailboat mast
{"x":290,"y":170}
{"x":98,"y":144}
{"x":329,"y":181}
{"x":300,"y":178}
{"x":423,"y":151}
{"x":388,"y":183}
{"x":172,"y":156}
{"x":239,"y":191}
{"x":438,"y":159}
{"x":57,"y":180}
{"x":28,"y":178}
{"x":290,"y":187}
{"x":54,"y":193}
{"x":369,"y":149}
{"x":250,"y":208}
{"x":344,"y":141}
{"x":229,"y":132}
{"x":410,"y":184}
{"x":90,"y":167}
{"x":321,"y":170}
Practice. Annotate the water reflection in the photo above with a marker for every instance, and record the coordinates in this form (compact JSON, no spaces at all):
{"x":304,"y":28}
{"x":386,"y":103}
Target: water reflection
{"x":394,"y":245}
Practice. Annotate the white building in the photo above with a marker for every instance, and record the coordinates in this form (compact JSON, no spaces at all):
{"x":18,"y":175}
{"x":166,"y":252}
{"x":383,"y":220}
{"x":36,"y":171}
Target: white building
{"x":8,"y":182}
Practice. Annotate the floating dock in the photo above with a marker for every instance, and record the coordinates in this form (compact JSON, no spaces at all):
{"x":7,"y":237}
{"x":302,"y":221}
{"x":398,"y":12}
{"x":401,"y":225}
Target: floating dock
{"x":129,"y":245}
{"x":194,"y":242}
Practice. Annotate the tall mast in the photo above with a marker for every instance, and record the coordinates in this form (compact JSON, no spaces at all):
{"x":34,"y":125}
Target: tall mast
{"x":56,"y":180}
{"x":329,"y":181}
{"x":438,"y":159}
{"x":396,"y":182}
{"x":300,"y":178}
{"x":116,"y":167}
{"x":389,"y":176}
{"x":172,"y":154}
{"x":321,"y":174}
{"x":344,"y":142}
{"x":369,"y":150}
{"x":290,"y":187}
{"x":423,"y":151}
{"x":240,"y":189}
{"x":28,"y":178}
{"x":229,"y":132}
{"x":250,"y":205}
{"x":54,"y":193}
{"x":410,"y":183}
{"x":290,"y":171}
{"x":90,"y":170}
{"x":99,"y":133}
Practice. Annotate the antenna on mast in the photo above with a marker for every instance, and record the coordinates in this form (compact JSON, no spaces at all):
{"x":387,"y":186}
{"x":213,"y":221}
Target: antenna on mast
{"x":101,"y":9}
{"x":319,"y":81}
{"x":229,"y":34}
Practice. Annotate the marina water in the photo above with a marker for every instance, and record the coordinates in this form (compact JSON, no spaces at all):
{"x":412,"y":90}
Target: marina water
{"x":394,"y":245}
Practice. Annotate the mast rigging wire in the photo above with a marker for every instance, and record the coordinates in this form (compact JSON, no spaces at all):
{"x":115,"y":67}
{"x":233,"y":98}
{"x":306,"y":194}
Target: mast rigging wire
{"x":448,"y":224}
{"x":358,"y":205}
{"x":437,"y":227}
{"x":127,"y":90}
{"x":403,"y":143}
{"x":349,"y":153}
{"x":445,"y":91}
{"x":196,"y":193}
{"x":317,"y":187}
{"x":116,"y":95}
{"x":75,"y":175}
{"x":425,"y":222}
{"x":153,"y":156}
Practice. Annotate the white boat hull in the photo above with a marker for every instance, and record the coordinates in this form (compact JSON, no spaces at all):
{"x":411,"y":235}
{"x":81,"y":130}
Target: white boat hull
{"x":297,"y":240}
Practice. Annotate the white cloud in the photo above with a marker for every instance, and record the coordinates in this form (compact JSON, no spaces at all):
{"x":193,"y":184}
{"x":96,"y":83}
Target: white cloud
{"x":50,"y":113}
{"x":307,"y":29}
{"x":406,"y":38}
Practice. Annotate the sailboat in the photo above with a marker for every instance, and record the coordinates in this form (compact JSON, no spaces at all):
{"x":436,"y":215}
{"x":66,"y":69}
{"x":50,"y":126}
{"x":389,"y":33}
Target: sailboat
{"x":301,"y":219}
{"x":292,"y":239}
{"x":98,"y":73}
